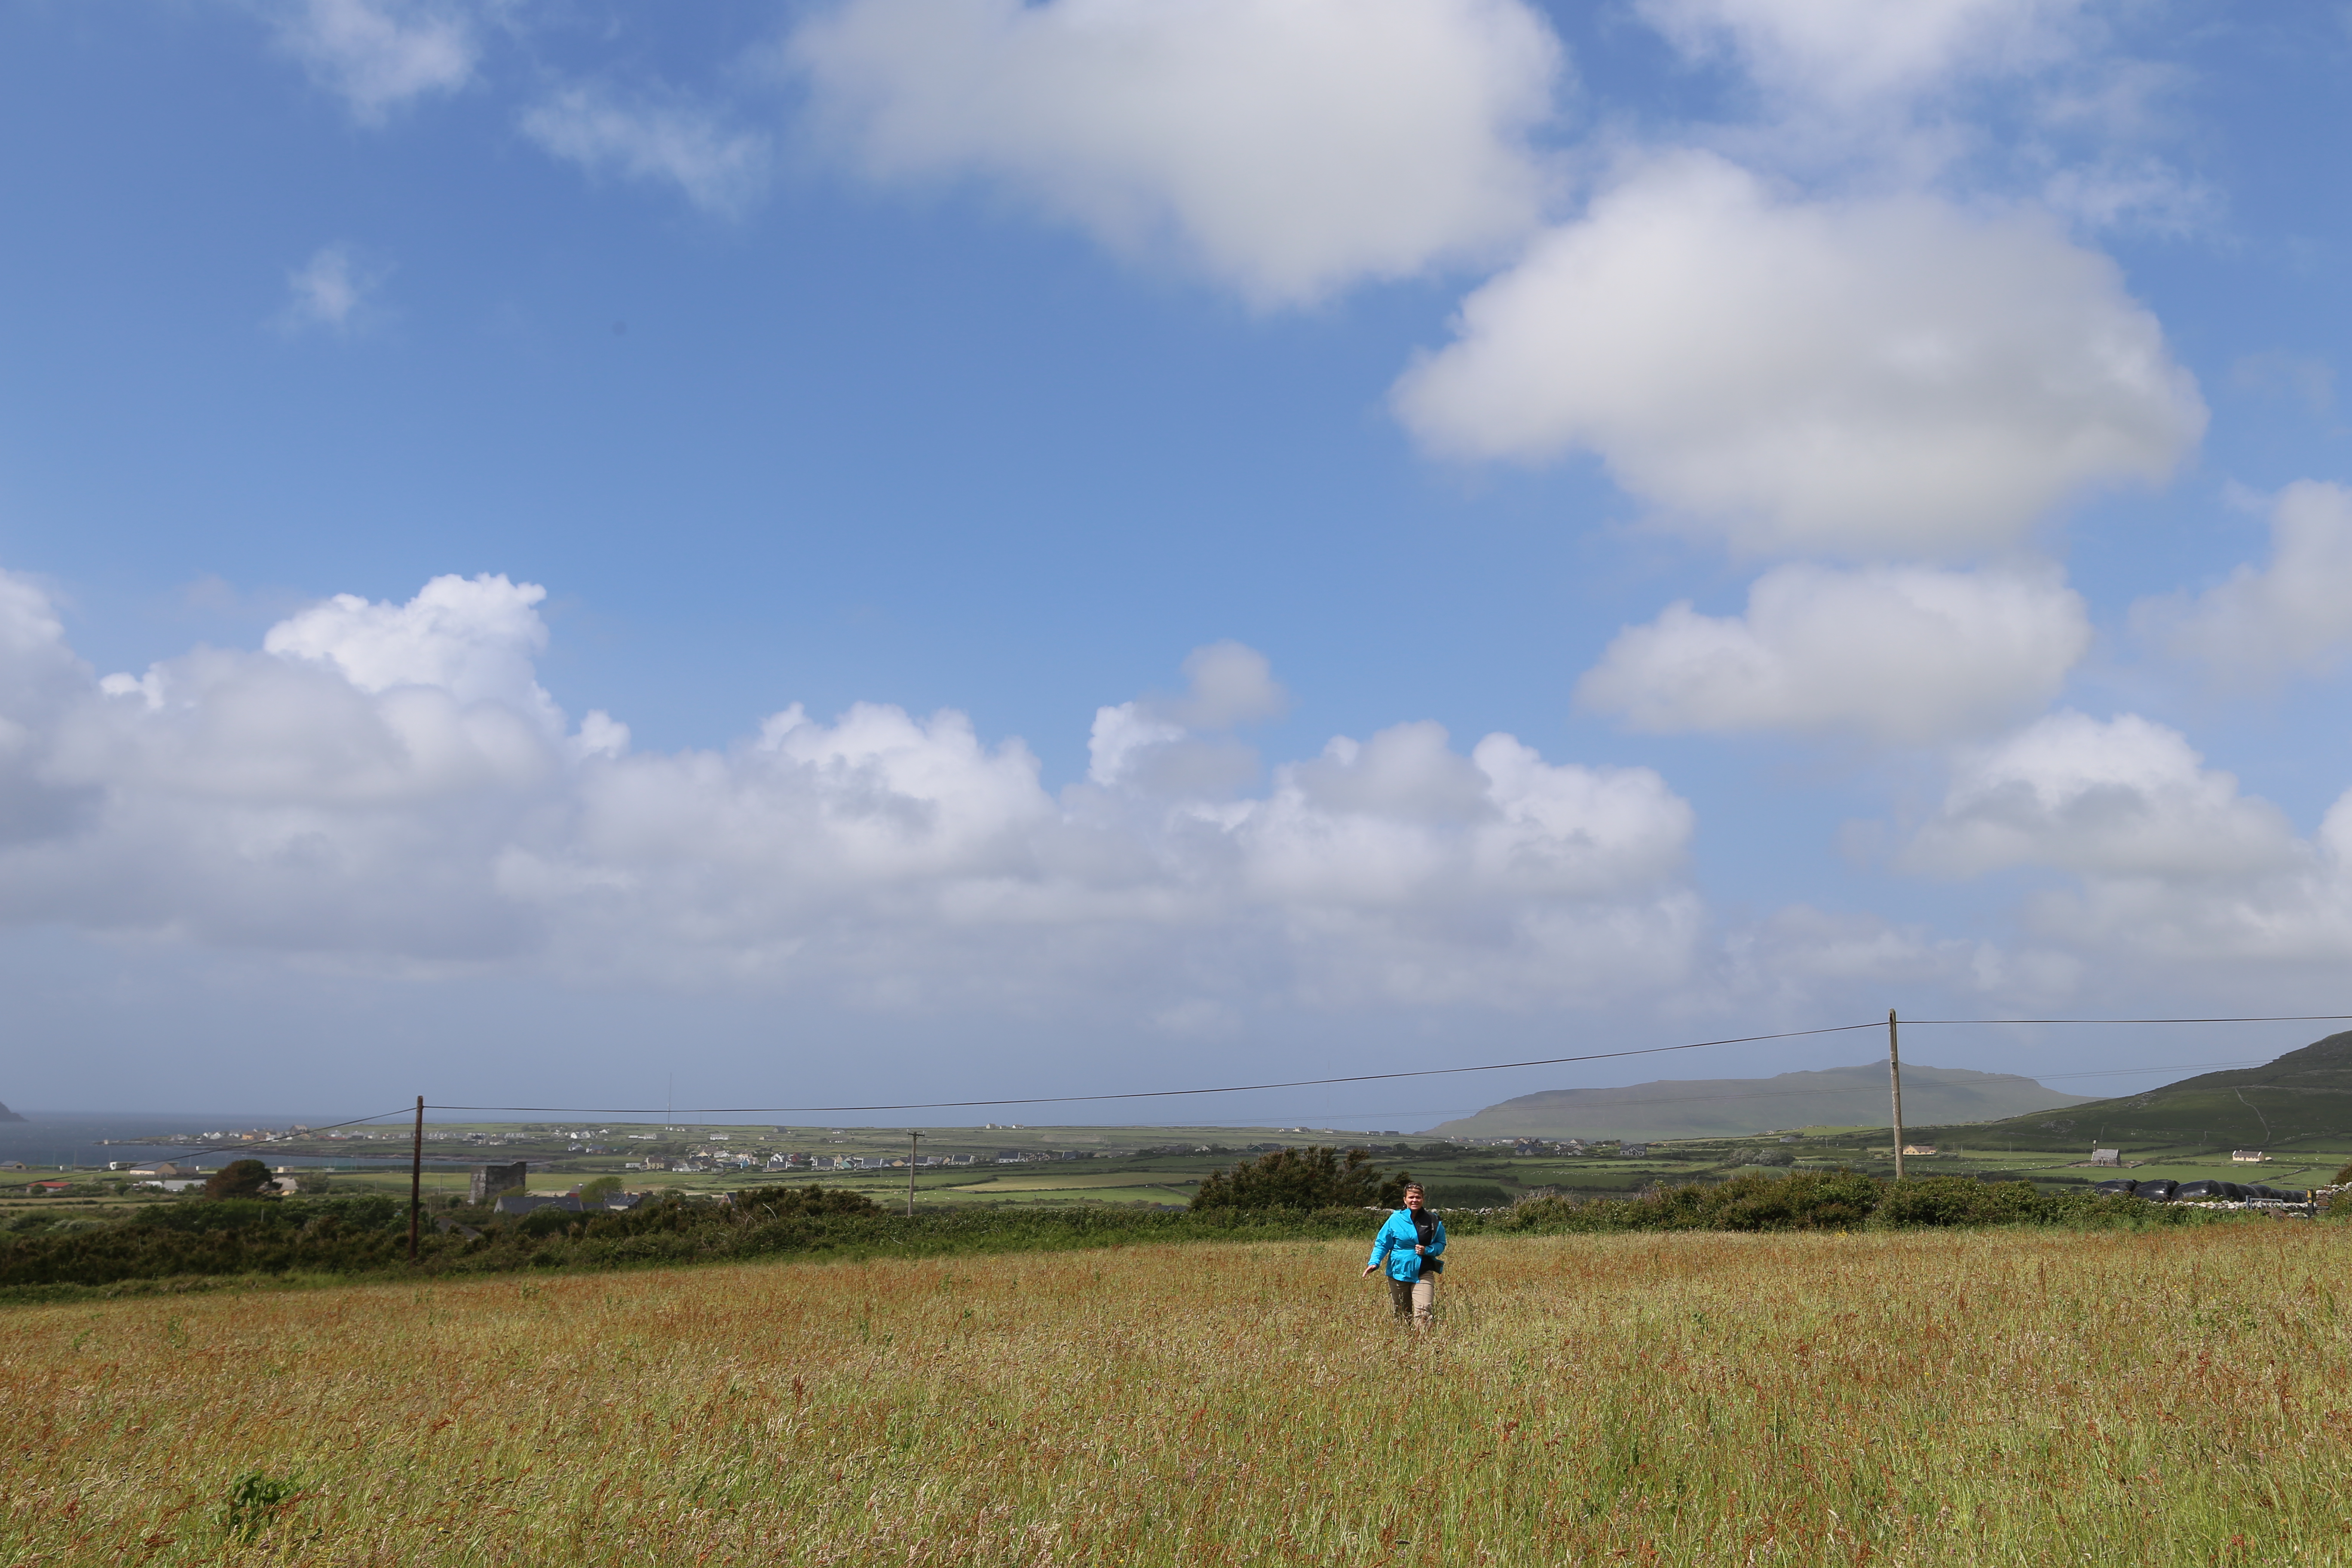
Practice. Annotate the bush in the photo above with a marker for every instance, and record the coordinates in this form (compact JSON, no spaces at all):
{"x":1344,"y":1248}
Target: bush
{"x":237,"y":1179}
{"x":783,"y":1203}
{"x":1836,"y":1200}
{"x":1313,"y":1178}
{"x":1464,"y":1195}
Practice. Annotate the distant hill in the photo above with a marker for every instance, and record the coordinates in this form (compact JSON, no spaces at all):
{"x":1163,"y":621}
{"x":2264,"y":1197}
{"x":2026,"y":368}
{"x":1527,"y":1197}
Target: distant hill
{"x":1733,"y":1107}
{"x":8,"y":1115}
{"x":2301,"y":1094}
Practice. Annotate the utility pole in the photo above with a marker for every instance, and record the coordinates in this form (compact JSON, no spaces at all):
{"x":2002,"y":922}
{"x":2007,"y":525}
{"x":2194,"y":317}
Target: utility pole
{"x":415,"y":1178}
{"x":1894,"y":1081}
{"x":914,"y":1141}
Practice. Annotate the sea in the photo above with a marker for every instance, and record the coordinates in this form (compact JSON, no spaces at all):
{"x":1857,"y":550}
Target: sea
{"x":84,"y":1141}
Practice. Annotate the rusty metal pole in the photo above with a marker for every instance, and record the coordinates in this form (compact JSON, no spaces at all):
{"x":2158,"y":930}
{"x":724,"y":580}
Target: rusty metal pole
{"x":1894,"y":1080}
{"x":914,"y":1141}
{"x":416,"y":1178}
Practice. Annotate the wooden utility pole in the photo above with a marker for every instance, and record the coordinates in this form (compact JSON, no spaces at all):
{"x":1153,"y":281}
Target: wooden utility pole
{"x":914,"y":1141}
{"x":416,"y":1178}
{"x":1894,"y":1081}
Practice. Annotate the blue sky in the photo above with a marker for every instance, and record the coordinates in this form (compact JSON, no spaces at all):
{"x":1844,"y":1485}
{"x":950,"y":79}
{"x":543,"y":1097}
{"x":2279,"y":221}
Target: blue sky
{"x":1873,"y":464}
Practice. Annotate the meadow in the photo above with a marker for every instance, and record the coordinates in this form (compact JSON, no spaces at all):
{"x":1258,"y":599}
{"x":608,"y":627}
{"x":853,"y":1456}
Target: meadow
{"x":2030,"y":1397}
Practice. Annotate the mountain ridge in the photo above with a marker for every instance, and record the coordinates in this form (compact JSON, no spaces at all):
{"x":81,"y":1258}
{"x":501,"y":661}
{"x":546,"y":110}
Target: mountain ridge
{"x":1703,"y":1108}
{"x":2306,"y":1092}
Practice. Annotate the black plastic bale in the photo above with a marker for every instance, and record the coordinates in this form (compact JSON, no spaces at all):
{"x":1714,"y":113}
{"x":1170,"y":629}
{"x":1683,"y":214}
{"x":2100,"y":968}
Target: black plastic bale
{"x":2234,"y":1192}
{"x":2122,"y":1188}
{"x":2160,"y":1191}
{"x":2199,"y":1192}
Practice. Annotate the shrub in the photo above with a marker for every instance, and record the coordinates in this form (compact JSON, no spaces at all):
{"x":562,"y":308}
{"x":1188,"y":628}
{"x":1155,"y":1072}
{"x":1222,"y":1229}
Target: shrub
{"x":1313,"y":1178}
{"x":784,"y":1202}
{"x":254,"y":1501}
{"x":1464,"y":1194}
{"x":237,"y":1179}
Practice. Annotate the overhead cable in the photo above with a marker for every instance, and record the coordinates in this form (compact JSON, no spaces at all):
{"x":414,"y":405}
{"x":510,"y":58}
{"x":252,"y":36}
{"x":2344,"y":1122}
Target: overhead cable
{"x":1144,"y":1093}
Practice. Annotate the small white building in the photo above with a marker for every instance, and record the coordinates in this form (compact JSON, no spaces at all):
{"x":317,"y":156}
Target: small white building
{"x":2249,"y":1157}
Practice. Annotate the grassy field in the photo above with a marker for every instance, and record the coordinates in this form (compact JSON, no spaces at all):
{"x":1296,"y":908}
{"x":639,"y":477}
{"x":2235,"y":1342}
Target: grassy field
{"x":2174,"y":1396}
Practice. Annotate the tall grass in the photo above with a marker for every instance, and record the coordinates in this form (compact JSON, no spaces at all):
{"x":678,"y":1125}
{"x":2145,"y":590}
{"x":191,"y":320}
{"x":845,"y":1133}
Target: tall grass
{"x":2030,"y":1398}
{"x":174,"y":1248}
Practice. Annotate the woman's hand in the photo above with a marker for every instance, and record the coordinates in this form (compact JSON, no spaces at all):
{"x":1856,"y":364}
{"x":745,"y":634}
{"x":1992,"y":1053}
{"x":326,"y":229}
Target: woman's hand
{"x":1368,"y":1269}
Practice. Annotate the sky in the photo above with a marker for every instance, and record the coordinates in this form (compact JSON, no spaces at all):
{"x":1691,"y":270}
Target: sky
{"x":875,"y":551}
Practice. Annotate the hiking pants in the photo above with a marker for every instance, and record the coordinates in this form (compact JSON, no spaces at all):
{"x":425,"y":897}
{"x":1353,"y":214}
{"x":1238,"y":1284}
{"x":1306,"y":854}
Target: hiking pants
{"x":1413,"y":1297}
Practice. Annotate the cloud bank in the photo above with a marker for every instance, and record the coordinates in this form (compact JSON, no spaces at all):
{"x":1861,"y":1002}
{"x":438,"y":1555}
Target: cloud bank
{"x":388,"y":784}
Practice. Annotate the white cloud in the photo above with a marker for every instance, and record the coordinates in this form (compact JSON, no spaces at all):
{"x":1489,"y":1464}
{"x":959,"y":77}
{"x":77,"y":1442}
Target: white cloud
{"x":330,"y":291}
{"x":379,"y":54}
{"x":2292,"y":615}
{"x":388,"y":784}
{"x":718,"y":169}
{"x":1286,"y":147}
{"x":1850,"y":50}
{"x":40,"y":678}
{"x":1152,"y":742}
{"x":2118,"y":798}
{"x":1884,"y":376}
{"x":1903,"y":654}
{"x":2176,"y":873}
{"x":473,"y":638}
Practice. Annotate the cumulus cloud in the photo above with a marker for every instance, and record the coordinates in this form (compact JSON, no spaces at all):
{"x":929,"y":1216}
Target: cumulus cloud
{"x":388,"y":782}
{"x":379,"y":54}
{"x":1850,"y":50}
{"x":2120,"y":797}
{"x":330,"y":291}
{"x":1288,"y":147}
{"x":2172,"y":862}
{"x":1883,"y":376}
{"x":718,"y":169}
{"x":2292,"y":615}
{"x":40,"y":680}
{"x":1155,"y":742}
{"x":473,"y":638}
{"x":1901,"y":654}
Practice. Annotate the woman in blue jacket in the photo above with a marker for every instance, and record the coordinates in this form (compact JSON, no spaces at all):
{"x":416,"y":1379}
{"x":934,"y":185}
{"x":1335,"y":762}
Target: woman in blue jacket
{"x":1410,"y":1243}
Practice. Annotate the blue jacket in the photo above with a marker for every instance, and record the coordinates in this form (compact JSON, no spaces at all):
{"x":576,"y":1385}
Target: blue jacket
{"x":1396,"y":1242}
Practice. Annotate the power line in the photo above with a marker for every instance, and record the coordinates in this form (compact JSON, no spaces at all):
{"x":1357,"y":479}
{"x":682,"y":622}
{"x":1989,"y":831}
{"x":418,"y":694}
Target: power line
{"x":2283,"y":1018}
{"x":329,"y":1127}
{"x":1151,"y":1093}
{"x":1357,"y":1078}
{"x":1833,"y":1090}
